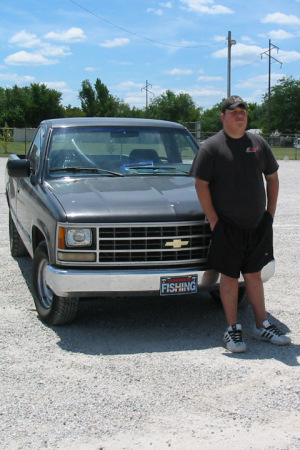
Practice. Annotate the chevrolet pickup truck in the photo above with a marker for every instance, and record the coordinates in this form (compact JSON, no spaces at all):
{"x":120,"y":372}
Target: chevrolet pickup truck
{"x":106,"y":207}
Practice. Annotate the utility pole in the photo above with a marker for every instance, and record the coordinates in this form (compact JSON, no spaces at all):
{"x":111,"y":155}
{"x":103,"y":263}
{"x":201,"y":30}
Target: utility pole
{"x":230,"y":43}
{"x":271,"y":58}
{"x":146,"y":88}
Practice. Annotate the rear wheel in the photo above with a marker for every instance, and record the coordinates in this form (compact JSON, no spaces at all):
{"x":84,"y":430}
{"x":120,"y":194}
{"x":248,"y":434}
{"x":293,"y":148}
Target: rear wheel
{"x":51,"y":308}
{"x":17,"y":247}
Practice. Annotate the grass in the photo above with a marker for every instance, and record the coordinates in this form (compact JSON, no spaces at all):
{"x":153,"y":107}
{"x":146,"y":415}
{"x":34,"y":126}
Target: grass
{"x":20,"y":148}
{"x":286,"y":152}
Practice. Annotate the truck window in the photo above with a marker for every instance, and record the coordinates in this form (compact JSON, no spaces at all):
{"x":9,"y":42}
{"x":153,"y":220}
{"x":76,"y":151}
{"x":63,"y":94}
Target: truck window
{"x":34,"y":152}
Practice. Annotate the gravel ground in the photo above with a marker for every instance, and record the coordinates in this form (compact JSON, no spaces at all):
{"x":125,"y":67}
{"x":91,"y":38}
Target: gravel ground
{"x":151,"y":373}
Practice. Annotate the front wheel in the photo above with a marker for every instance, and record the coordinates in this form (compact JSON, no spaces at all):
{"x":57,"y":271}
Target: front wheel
{"x":51,"y":308}
{"x":243,"y":300}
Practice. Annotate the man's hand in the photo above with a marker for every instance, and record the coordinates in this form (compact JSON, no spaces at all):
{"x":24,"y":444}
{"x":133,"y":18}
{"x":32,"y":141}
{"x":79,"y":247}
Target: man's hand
{"x":203,"y":192}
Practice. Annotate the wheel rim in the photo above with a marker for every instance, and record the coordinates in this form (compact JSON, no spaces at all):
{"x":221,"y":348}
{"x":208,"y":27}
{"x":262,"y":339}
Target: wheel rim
{"x":45,"y":293}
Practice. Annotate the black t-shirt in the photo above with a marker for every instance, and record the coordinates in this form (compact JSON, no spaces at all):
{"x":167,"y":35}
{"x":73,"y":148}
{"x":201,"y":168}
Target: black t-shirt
{"x":234,"y":169}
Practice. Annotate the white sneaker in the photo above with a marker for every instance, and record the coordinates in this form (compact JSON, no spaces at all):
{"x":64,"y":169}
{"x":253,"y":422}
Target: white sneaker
{"x":270,"y":333}
{"x":233,"y":339}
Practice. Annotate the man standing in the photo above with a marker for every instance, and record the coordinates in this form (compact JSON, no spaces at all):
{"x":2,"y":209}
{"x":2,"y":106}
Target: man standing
{"x":230,"y":169}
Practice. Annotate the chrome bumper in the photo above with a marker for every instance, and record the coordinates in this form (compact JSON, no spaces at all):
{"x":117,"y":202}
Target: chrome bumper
{"x":70,"y":282}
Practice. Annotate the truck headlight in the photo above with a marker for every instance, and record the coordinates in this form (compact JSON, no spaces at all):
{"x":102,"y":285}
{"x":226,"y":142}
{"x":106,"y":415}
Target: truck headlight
{"x":74,"y":237}
{"x":78,"y":237}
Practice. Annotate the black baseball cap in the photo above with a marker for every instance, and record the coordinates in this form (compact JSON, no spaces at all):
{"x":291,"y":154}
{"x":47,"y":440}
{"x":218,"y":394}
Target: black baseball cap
{"x":233,"y":102}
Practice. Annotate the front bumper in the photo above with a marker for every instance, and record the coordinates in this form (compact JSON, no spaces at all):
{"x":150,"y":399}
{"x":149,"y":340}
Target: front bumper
{"x":87,"y":283}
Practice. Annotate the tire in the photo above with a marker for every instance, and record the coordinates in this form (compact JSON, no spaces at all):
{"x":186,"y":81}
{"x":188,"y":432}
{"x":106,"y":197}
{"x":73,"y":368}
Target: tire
{"x":52,"y":309}
{"x":243,"y":300}
{"x":17,"y":247}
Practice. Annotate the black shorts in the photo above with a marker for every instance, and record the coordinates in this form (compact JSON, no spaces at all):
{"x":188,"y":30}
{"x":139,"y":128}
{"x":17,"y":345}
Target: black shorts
{"x":234,"y":250}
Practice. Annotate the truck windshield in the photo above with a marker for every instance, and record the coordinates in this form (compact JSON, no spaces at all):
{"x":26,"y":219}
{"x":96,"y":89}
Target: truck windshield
{"x":127,"y":151}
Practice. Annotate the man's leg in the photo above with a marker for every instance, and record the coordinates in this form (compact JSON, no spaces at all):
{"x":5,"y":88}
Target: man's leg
{"x":255,"y":292}
{"x":264,"y":329}
{"x":229,"y":297}
{"x":232,"y":339}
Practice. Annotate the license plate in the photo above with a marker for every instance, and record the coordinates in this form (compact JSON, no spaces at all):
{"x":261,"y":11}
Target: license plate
{"x":179,"y":285}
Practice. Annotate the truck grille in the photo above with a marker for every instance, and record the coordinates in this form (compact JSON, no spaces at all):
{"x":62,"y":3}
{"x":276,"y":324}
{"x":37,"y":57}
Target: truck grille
{"x":176,"y":244}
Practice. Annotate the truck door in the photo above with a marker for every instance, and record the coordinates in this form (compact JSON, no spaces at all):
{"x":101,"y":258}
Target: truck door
{"x":26,"y":188}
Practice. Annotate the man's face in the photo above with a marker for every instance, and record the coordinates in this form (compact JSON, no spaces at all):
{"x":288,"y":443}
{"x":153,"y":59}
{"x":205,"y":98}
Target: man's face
{"x":235,"y":121}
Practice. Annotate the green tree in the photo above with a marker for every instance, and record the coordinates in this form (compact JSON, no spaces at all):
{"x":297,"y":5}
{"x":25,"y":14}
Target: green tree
{"x":210,"y":120}
{"x":87,"y":97}
{"x":5,"y":137}
{"x":13,"y":106}
{"x":27,"y":106}
{"x":73,"y":111}
{"x":177,"y":108}
{"x":97,"y":101}
{"x":256,"y":115}
{"x":44,"y":104}
{"x":285,"y":106}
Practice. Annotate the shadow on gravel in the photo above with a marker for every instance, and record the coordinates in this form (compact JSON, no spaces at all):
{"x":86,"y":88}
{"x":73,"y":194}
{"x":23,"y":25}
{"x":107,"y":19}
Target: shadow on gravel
{"x":148,"y":325}
{"x":126,"y":326}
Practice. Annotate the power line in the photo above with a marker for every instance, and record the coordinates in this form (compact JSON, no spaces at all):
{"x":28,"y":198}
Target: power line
{"x":138,"y":35}
{"x":146,"y":88}
{"x":271,"y":59}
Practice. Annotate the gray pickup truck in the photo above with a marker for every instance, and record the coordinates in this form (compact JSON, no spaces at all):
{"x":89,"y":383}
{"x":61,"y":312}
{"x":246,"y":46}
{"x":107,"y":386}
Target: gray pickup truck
{"x":105,"y":207}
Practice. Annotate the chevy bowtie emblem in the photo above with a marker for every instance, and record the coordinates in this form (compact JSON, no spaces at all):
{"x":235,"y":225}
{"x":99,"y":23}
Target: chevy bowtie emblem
{"x":176,"y":243}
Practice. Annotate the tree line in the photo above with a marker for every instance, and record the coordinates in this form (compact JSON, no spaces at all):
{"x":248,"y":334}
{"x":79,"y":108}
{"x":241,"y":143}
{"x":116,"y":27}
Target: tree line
{"x":22,"y":107}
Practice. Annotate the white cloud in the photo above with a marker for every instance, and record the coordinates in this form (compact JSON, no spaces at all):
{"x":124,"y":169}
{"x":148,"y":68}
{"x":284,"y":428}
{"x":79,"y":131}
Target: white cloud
{"x":260,"y":80}
{"x":280,"y":34}
{"x":166,"y":5}
{"x":120,"y":63}
{"x":128,"y":85}
{"x":71,"y":35}
{"x":241,"y":54}
{"x":28,"y":59}
{"x":175,"y":71}
{"x":209,"y":79}
{"x":219,"y":38}
{"x":24,"y":39}
{"x":247,"y":39}
{"x":200,"y":6}
{"x":158,"y":12}
{"x":205,"y":92}
{"x":44,"y":54}
{"x":14,"y":78}
{"x":137,"y":101}
{"x":54,"y":50}
{"x":282,"y":19}
{"x":288,"y":57}
{"x":58,"y":85}
{"x":91,"y":69}
{"x":117,"y":42}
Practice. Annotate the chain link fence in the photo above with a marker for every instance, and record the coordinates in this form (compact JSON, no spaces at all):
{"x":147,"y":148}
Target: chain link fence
{"x":284,"y":146}
{"x":17,"y":140}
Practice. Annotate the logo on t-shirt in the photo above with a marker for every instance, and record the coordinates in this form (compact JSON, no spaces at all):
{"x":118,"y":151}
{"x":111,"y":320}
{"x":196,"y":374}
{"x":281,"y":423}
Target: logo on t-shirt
{"x":252,"y":149}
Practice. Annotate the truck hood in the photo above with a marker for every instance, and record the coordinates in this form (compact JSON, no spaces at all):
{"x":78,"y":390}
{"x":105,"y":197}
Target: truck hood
{"x":127,"y":199}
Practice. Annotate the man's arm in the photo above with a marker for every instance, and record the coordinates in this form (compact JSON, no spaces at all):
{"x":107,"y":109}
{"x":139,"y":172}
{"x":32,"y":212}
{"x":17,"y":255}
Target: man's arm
{"x":203,"y":192}
{"x":272,"y":192}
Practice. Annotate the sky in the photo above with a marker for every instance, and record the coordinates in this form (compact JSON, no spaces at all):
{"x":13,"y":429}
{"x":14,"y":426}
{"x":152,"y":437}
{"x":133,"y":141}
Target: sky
{"x":141,"y":48}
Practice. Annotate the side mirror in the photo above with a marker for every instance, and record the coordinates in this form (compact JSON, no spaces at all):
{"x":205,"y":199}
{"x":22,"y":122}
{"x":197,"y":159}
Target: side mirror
{"x":18,"y":168}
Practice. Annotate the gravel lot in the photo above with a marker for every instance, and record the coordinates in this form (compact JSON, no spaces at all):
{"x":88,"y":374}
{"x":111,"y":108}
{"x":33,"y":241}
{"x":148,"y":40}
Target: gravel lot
{"x":151,"y":374}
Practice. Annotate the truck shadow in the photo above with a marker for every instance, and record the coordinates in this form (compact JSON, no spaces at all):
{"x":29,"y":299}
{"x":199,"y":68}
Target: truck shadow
{"x":128,"y":326}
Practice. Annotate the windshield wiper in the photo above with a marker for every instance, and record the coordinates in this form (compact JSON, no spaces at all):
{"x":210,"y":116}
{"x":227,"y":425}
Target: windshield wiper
{"x":89,"y":169}
{"x":158,"y":169}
